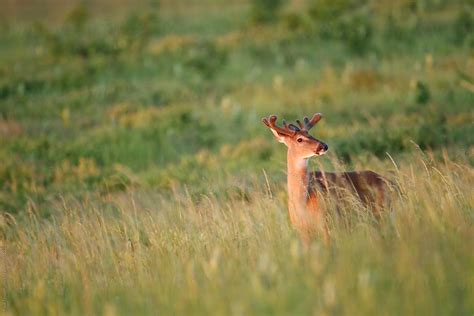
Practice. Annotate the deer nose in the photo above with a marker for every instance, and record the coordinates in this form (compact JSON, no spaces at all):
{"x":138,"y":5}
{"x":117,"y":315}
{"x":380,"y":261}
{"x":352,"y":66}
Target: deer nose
{"x":324,"y":147}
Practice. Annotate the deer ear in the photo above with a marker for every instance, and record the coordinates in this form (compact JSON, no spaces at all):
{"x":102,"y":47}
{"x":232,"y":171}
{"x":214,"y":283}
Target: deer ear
{"x":280,"y":138}
{"x":280,"y":133}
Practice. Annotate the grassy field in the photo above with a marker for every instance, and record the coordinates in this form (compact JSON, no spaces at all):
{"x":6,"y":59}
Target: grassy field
{"x":137,"y":177}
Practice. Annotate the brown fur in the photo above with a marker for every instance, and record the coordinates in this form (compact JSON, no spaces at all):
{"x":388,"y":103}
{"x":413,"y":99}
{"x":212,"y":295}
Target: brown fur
{"x":370,"y":187}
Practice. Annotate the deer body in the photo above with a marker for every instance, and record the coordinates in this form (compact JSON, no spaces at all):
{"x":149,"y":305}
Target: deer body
{"x":306,"y":212}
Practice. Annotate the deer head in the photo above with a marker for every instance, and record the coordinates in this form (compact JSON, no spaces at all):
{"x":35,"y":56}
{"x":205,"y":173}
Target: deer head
{"x":297,"y":138}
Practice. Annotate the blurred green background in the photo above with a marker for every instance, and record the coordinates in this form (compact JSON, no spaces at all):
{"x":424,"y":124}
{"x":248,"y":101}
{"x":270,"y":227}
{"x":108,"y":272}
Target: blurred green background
{"x":105,"y":95}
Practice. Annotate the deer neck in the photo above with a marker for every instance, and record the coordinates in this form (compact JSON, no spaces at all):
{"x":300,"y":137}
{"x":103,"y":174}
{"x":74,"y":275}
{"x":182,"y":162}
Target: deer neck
{"x":298,"y":186}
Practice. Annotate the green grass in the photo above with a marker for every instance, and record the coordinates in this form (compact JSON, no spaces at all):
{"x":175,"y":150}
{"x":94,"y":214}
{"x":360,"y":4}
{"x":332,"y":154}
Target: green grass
{"x":136,"y":176}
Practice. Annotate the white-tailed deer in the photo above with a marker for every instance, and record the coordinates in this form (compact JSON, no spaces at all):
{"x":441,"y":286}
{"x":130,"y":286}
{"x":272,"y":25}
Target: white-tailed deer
{"x":307,"y":214}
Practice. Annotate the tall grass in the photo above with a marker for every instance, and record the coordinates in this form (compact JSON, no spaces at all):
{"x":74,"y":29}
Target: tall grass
{"x":142,"y":253}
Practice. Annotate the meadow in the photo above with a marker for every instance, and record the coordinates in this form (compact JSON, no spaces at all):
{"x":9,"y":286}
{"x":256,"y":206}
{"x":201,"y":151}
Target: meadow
{"x":136,"y":176}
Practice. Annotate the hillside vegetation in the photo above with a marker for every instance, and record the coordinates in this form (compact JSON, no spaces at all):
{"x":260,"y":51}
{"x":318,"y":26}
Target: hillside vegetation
{"x":137,"y":177}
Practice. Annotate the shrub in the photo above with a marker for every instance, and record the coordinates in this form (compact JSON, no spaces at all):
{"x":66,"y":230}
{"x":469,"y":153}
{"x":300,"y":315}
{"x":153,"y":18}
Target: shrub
{"x":422,"y":93}
{"x":393,"y":29}
{"x":328,"y":10}
{"x":356,"y":33}
{"x":345,"y":20}
{"x":77,"y":17}
{"x":205,"y":58}
{"x":265,"y":10}
{"x":463,"y":26}
{"x":137,"y":30}
{"x":377,"y":143}
{"x":293,"y":21}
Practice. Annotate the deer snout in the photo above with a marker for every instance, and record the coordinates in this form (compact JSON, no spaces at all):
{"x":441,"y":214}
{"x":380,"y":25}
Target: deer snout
{"x":322,"y":148}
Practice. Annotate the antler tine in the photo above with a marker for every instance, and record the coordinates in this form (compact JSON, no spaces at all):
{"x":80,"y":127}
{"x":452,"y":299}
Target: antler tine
{"x":300,"y":124}
{"x":293,"y":127}
{"x":308,"y":124}
{"x":271,"y":123}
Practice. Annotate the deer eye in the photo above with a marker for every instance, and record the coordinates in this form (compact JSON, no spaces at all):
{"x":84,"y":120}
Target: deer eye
{"x":299,"y":140}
